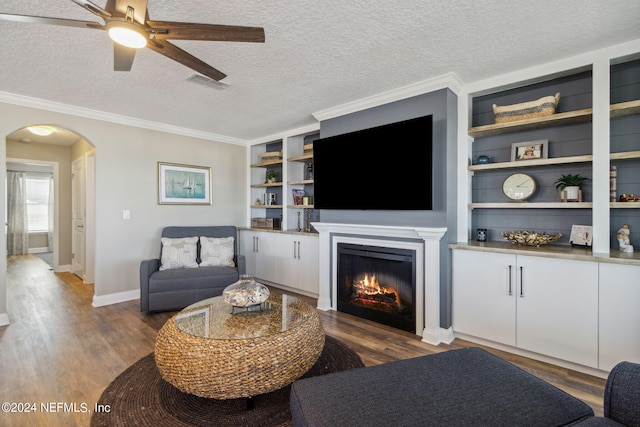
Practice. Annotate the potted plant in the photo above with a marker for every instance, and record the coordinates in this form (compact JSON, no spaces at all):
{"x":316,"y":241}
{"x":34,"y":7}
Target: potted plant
{"x":271,"y":177}
{"x":570,"y":185}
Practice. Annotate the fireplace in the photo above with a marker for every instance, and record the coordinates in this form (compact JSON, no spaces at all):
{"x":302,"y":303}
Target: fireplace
{"x":425,"y":241}
{"x":378,"y":283}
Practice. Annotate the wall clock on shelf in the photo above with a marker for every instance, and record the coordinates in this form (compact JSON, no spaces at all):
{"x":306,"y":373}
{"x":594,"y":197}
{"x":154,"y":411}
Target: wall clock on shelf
{"x":518,"y":187}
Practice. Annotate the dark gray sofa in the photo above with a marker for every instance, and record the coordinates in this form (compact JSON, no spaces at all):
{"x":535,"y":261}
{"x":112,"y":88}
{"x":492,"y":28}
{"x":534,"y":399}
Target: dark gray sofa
{"x":466,"y":387}
{"x":167,"y":290}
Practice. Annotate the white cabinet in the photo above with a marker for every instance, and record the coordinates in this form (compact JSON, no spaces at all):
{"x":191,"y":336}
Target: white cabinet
{"x":483,"y":296}
{"x":248,"y":248}
{"x":260,"y":251}
{"x":619,"y":315}
{"x":299,"y":262}
{"x":290,"y":260}
{"x":544,"y":305}
{"x":557,"y":308}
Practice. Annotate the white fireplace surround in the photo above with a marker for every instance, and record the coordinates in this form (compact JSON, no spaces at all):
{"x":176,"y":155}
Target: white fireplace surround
{"x":426,"y":243}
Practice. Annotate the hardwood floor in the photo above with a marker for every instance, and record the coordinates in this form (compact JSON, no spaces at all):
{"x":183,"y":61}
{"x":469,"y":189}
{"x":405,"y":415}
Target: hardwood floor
{"x":59,"y":350}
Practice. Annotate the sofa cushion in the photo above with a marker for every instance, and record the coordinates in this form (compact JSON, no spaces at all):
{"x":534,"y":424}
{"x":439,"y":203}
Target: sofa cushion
{"x":216,"y":251}
{"x":179,"y":253}
{"x":466,"y":387}
{"x":192,"y":278}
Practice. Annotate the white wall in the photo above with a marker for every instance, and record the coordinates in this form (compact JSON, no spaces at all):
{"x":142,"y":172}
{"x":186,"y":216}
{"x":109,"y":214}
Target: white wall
{"x":126,"y":178}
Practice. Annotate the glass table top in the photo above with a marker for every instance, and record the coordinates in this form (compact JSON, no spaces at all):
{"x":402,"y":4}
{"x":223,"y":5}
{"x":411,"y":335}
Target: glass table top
{"x":213,"y":318}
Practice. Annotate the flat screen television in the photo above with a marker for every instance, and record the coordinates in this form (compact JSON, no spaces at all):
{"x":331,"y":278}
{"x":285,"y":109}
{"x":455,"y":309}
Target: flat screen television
{"x":387,"y":167}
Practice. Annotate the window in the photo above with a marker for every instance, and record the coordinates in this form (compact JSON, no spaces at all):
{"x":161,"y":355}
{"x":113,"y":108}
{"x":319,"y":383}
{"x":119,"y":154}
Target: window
{"x":38,"y":203}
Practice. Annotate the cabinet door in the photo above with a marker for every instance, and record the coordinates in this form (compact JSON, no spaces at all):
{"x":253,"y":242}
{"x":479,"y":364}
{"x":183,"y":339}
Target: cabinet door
{"x":483,"y":295}
{"x":298,"y":263}
{"x":557,"y":308}
{"x":619,"y":315}
{"x":287,"y":260}
{"x":307,"y":264}
{"x":248,"y":249}
{"x":267,"y":254}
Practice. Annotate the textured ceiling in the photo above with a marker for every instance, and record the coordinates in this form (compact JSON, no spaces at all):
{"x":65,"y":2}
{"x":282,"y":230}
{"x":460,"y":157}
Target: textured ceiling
{"x":317,"y":55}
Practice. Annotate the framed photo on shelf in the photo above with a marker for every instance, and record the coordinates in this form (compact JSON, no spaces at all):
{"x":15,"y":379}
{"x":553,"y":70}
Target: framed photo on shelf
{"x":297,"y":196}
{"x":530,"y":150}
{"x":183,"y":184}
{"x":581,"y":235}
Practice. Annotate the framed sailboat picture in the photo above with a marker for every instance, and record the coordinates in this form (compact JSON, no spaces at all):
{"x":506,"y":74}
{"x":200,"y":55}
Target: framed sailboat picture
{"x":183,"y":184}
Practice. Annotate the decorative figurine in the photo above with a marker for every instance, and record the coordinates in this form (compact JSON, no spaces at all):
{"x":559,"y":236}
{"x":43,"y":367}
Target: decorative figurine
{"x":623,"y":239}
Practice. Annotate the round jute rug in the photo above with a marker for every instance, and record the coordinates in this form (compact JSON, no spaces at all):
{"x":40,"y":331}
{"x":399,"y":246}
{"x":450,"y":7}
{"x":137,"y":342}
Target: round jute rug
{"x":140,"y":397}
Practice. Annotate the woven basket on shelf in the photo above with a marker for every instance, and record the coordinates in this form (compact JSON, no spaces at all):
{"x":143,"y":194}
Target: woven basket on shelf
{"x":545,"y":106}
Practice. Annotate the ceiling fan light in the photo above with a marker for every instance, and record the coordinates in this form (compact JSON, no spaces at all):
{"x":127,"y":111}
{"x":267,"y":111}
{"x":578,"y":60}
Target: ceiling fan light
{"x":40,"y":130}
{"x":128,"y":35}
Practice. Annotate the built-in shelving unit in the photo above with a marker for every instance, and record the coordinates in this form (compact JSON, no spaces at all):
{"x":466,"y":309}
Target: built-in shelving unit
{"x":293,"y":172}
{"x":575,"y":147}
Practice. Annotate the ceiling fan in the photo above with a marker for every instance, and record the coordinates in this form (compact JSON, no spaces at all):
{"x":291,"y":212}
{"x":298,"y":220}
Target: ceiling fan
{"x":128,"y":24}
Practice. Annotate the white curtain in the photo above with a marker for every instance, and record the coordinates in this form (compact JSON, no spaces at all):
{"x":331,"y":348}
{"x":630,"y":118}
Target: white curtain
{"x":51,"y":215}
{"x":17,"y":228}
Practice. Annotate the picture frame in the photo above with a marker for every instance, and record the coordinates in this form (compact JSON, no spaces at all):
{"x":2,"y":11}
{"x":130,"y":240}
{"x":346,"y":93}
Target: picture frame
{"x":581,"y":235}
{"x":183,"y":184}
{"x":530,"y":150}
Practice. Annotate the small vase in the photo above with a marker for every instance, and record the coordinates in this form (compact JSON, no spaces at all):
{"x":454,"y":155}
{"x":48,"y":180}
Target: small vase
{"x":572,"y":193}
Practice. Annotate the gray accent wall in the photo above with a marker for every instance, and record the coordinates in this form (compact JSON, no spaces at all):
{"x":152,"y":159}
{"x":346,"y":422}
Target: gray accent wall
{"x":442,"y":105}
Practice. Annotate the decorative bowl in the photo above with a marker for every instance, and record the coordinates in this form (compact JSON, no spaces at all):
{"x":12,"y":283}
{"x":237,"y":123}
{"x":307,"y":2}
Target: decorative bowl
{"x":246,"y":292}
{"x":530,"y":238}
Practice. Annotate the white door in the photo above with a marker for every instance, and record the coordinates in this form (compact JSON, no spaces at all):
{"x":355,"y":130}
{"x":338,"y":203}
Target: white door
{"x":484,"y":302}
{"x":558,"y":308}
{"x":619,"y":322}
{"x":78,"y":217}
{"x":307,"y":262}
{"x":248,"y":248}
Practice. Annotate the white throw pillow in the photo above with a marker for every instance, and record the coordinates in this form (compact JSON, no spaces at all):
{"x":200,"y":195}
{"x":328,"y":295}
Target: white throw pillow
{"x":216,"y":251}
{"x":179,"y":253}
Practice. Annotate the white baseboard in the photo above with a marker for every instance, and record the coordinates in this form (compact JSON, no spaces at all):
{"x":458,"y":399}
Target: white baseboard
{"x":102,"y":300}
{"x":4,"y":319}
{"x":439,"y":336}
{"x":38,"y":250}
{"x":62,"y":268}
{"x":536,"y":356}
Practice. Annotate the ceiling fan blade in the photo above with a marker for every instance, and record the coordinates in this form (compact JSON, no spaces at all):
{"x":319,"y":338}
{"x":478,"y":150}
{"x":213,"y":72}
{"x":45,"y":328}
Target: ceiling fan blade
{"x":123,"y":57}
{"x":50,"y":21}
{"x":96,"y":10}
{"x":174,"y":52}
{"x":164,"y":30}
{"x":119,"y":7}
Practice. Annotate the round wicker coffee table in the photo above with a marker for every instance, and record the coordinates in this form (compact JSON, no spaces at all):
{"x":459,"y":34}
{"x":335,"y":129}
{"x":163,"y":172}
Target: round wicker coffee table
{"x":206,"y":351}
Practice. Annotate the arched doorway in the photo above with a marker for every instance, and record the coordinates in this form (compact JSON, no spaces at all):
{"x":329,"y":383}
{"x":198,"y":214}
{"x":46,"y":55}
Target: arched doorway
{"x":60,"y":148}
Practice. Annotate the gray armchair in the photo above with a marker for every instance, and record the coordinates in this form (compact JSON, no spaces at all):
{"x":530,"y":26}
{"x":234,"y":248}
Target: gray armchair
{"x":175,"y":289}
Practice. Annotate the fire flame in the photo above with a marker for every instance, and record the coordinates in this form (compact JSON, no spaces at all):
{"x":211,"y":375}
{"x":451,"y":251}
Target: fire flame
{"x":370,"y":286}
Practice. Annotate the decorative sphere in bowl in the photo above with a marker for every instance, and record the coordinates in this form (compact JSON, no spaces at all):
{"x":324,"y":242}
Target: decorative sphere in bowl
{"x":246,"y":292}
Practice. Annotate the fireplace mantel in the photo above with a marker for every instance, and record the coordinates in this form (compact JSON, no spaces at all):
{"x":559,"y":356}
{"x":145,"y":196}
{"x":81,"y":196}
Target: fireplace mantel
{"x":424,"y":240}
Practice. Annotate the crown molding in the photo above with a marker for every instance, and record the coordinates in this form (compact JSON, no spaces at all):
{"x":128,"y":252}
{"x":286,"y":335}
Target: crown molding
{"x":445,"y":81}
{"x":56,"y":107}
{"x":314,"y":127}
